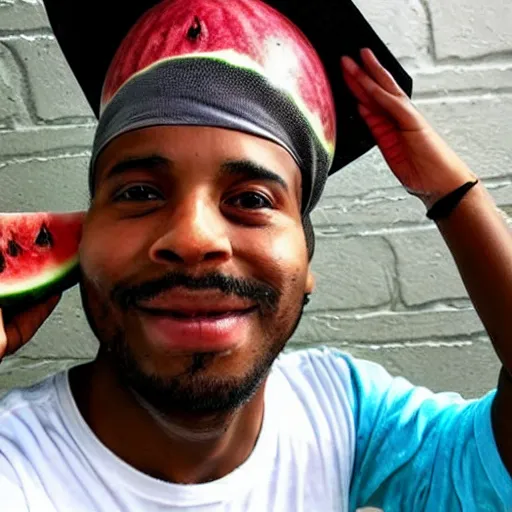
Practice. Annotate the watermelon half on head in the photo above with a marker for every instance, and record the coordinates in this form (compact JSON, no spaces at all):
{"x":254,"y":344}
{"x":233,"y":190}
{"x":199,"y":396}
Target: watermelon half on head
{"x":38,"y":255}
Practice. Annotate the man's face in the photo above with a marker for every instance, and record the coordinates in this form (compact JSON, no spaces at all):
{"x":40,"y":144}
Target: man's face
{"x":194,"y":263}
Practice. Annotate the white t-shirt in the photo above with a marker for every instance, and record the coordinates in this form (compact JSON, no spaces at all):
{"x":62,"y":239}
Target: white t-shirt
{"x":337,"y":434}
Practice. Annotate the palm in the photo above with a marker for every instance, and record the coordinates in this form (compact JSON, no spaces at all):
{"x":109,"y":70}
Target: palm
{"x":402,"y":151}
{"x":416,"y":154}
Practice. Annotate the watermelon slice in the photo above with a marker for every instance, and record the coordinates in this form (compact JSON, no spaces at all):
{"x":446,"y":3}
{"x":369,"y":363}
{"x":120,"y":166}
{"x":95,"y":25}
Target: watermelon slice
{"x":38,"y":255}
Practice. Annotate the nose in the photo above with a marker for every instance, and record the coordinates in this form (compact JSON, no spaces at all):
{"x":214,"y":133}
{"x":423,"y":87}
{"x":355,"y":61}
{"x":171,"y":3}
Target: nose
{"x":195,"y":232}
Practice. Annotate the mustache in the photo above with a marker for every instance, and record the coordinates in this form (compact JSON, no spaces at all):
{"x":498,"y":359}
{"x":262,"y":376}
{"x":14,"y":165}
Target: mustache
{"x":128,"y":296}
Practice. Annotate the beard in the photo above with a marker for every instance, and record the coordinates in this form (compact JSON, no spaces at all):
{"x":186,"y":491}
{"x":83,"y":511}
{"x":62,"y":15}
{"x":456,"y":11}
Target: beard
{"x":193,"y":391}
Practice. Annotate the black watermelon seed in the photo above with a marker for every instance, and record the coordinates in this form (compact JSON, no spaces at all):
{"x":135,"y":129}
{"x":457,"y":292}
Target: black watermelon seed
{"x":195,"y":30}
{"x":44,"y":238}
{"x":2,"y":263}
{"x":14,"y":249}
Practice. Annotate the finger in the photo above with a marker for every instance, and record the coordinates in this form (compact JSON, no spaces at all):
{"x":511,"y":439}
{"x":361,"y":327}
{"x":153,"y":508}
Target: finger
{"x":372,"y":118}
{"x":24,"y":325}
{"x":381,"y":127}
{"x":357,"y":91}
{"x":386,"y":135}
{"x":397,"y":107}
{"x":355,"y":87}
{"x":379,"y":73}
{"x":401,"y":111}
{"x":360,"y":80}
{"x":3,"y":337}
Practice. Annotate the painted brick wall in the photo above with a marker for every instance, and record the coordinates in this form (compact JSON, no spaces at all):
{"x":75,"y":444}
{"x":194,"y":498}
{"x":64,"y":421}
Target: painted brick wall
{"x":387,"y":287}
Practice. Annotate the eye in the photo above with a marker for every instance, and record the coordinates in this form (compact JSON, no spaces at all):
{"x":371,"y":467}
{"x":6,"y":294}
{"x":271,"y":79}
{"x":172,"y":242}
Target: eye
{"x":139,"y":193}
{"x":250,"y":201}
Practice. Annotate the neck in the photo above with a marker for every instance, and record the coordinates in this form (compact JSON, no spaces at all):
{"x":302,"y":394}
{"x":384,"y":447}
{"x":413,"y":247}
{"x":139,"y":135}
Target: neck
{"x":183,"y":448}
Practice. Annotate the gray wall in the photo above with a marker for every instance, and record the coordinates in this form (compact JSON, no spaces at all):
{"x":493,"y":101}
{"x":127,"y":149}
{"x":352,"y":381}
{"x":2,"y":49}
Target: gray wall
{"x":387,"y":287}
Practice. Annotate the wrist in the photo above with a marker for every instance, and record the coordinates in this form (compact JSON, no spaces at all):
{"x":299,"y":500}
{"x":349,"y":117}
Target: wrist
{"x":447,"y":184}
{"x":445,"y":206}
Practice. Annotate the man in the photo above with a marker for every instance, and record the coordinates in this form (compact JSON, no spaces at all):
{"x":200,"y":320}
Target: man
{"x":195,"y":263}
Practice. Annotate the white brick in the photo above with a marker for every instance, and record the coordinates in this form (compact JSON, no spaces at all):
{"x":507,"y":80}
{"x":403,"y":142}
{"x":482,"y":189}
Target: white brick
{"x":352,"y":273}
{"x":425,"y":267}
{"x":503,"y":197}
{"x":38,"y":140}
{"x":57,"y":184}
{"x":22,"y":15}
{"x":55,"y":92}
{"x":477,"y":129}
{"x":471,"y":28}
{"x":402,"y":25}
{"x":502,"y":194}
{"x":384,"y":208}
{"x":370,"y":172}
{"x":457,"y":79}
{"x":471,"y":370}
{"x":387,"y":327}
{"x":21,"y":372}
{"x":12,"y":107}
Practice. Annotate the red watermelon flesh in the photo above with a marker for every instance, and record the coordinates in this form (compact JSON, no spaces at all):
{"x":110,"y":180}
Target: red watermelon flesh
{"x":244,"y":33}
{"x":38,"y":255}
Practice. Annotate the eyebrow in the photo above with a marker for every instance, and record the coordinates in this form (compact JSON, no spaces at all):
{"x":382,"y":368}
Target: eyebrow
{"x":252,"y":171}
{"x":134,"y":163}
{"x":246,"y":168}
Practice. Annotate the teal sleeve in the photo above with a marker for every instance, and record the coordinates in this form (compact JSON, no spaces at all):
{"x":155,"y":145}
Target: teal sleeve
{"x":422,"y":452}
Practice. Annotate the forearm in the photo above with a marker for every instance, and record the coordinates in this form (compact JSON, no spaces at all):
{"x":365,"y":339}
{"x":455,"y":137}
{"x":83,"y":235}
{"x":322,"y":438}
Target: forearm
{"x":481,"y":244}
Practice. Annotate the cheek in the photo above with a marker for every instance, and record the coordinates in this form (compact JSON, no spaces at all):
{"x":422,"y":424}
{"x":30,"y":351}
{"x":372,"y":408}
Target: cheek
{"x":277,"y":256}
{"x":109,"y":250}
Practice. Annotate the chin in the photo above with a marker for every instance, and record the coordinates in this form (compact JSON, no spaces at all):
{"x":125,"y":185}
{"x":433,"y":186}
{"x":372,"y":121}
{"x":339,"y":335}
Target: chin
{"x":234,"y":363}
{"x":202,"y":383}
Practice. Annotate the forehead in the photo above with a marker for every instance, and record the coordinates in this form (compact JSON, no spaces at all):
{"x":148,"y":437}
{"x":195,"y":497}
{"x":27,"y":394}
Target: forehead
{"x":209,"y":147}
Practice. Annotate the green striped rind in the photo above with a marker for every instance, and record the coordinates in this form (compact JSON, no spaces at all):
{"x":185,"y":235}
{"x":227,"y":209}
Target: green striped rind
{"x":43,"y":285}
{"x":238,"y":60}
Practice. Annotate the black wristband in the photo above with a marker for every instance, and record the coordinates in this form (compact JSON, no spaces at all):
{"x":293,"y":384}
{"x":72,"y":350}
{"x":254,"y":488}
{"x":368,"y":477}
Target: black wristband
{"x":448,"y":203}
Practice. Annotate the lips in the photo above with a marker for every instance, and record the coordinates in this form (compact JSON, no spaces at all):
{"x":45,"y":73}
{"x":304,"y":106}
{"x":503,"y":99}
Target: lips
{"x":192,"y":322}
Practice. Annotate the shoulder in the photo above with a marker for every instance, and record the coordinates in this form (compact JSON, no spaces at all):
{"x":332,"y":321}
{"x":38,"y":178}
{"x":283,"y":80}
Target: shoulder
{"x":313,"y":362}
{"x":29,"y":402}
{"x":325,"y":367}
{"x":319,"y":375}
{"x":29,"y":417}
{"x":363,"y":385}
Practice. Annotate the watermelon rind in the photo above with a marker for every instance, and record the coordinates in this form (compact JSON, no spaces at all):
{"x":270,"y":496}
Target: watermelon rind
{"x":52,"y":281}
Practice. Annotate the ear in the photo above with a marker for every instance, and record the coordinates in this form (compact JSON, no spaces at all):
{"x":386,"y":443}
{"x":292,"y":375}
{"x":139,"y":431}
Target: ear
{"x":310,"y":282}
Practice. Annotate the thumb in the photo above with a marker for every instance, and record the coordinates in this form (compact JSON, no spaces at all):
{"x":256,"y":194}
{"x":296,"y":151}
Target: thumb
{"x":3,"y":337}
{"x":18,"y":329}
